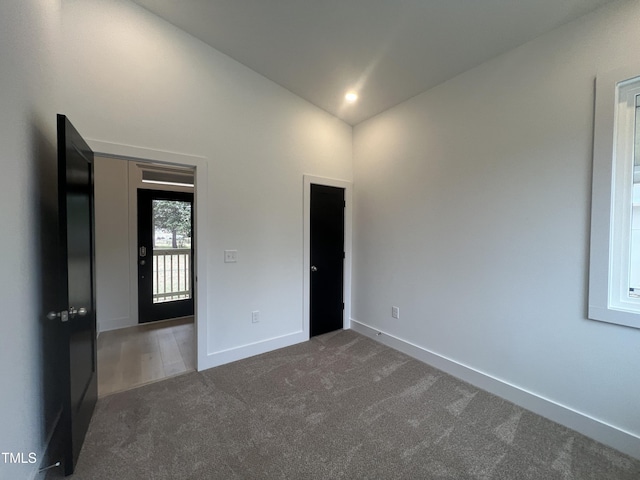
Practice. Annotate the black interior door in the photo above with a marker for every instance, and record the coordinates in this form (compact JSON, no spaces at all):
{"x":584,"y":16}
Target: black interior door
{"x":165,"y":255}
{"x":327,"y":259}
{"x":77,"y":317}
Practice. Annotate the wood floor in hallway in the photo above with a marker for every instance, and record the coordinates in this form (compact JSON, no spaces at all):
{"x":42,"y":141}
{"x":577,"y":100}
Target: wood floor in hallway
{"x":146,"y":353}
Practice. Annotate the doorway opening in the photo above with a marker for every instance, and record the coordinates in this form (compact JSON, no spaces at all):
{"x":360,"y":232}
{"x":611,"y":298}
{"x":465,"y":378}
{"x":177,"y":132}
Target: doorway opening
{"x":331,"y":260}
{"x":145,"y":289}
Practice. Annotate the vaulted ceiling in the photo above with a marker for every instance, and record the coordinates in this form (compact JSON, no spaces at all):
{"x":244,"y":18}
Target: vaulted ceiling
{"x":385,"y":50}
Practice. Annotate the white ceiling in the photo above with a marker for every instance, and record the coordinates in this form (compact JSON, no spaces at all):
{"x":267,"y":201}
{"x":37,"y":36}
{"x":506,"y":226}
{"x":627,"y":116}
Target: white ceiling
{"x":387,"y":50}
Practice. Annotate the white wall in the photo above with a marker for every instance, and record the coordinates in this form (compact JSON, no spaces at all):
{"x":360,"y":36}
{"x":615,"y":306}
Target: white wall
{"x":28,"y":38}
{"x":132,"y":79}
{"x":113,"y":279}
{"x":471,"y":214}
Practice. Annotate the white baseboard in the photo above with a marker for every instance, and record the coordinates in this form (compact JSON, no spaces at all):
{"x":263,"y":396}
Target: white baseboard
{"x":591,"y":427}
{"x":115,"y":324}
{"x":221,"y":357}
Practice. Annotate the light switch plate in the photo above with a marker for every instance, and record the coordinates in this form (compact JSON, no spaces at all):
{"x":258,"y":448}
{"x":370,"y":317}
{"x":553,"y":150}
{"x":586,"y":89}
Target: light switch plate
{"x":230,"y":256}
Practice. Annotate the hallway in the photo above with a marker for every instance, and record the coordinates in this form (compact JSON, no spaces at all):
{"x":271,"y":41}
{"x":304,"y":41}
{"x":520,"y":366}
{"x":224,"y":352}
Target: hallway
{"x":146,"y":353}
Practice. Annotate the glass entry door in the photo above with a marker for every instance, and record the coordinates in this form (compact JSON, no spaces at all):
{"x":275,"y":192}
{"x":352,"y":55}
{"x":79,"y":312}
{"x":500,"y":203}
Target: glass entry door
{"x":165,"y":255}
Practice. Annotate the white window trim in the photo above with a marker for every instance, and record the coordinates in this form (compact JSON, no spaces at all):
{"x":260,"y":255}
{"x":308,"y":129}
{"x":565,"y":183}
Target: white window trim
{"x":611,"y":205}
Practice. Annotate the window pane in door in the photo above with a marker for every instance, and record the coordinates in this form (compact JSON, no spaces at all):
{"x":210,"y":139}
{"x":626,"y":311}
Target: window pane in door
{"x":171,"y":250}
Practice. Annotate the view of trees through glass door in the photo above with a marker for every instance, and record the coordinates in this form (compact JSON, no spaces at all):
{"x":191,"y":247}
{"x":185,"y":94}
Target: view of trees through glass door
{"x":171,"y":250}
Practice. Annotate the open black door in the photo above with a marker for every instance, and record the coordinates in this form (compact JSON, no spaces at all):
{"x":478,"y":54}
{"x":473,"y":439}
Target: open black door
{"x":76,"y":317}
{"x":327,"y":259}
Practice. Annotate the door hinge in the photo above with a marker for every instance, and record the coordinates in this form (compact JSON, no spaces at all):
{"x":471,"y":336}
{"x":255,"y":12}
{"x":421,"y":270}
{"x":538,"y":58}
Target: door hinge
{"x":342,"y":305}
{"x":344,"y":255}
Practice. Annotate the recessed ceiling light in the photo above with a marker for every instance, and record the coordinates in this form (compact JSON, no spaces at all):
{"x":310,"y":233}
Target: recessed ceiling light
{"x":351,"y":97}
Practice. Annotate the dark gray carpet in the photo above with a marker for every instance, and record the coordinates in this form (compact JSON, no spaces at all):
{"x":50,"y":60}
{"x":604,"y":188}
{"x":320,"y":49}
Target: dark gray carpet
{"x":338,"y":406}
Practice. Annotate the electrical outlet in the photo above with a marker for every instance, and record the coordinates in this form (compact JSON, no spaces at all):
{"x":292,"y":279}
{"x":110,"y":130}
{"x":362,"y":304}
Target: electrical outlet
{"x":395,"y":312}
{"x":230,"y":256}
{"x":255,"y":316}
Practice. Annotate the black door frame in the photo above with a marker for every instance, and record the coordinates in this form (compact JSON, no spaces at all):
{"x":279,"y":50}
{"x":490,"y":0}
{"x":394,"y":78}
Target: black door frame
{"x":348,"y":195}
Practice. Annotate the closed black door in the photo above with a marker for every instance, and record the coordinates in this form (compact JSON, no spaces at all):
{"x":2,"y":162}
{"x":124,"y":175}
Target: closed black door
{"x":165,"y":255}
{"x":76,"y":316}
{"x":327,"y":259}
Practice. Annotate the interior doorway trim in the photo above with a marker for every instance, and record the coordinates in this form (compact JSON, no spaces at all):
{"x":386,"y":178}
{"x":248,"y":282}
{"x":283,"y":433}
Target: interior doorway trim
{"x":201,"y":225}
{"x":306,"y":267}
